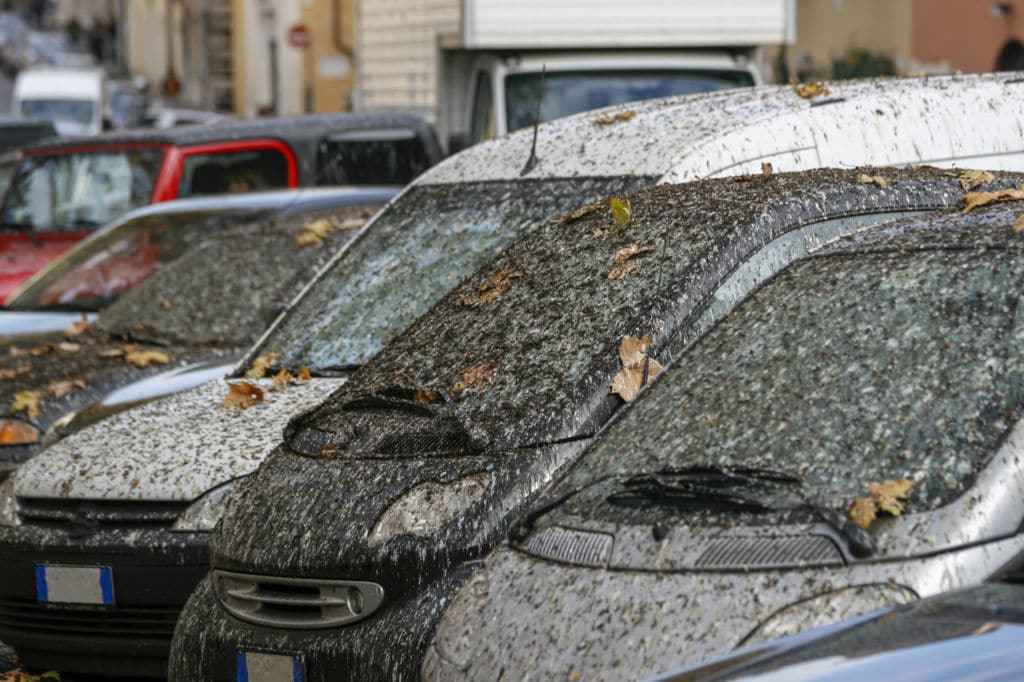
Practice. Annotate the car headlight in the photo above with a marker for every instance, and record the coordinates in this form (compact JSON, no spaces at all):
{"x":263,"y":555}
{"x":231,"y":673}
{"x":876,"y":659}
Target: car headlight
{"x":456,"y":633}
{"x":8,"y":505}
{"x":428,"y":507}
{"x":828,"y":608}
{"x":203,"y":514}
{"x":15,"y":432}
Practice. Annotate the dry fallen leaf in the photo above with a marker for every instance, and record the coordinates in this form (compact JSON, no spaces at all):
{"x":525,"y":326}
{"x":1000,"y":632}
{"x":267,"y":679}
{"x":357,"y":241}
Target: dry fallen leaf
{"x":425,"y":396}
{"x":77,"y":328}
{"x":15,"y":371}
{"x":766,"y":168}
{"x":313,"y":232}
{"x":866,"y":179}
{"x":304,"y":374}
{"x":165,"y":304}
{"x":44,"y":349}
{"x":111,"y":353}
{"x":259,"y":367}
{"x":810,"y":90}
{"x":969,"y":179}
{"x":143,"y":358}
{"x":475,"y":376}
{"x":282,"y":379}
{"x":16,"y":352}
{"x":69,"y":347}
{"x":608,"y":119}
{"x":621,"y":212}
{"x":492,"y":287}
{"x":27,"y":402}
{"x":976,"y":199}
{"x":577,"y":214}
{"x":883,"y":496}
{"x":623,"y":260}
{"x":19,"y":675}
{"x":59,"y":389}
{"x":242,"y":394}
{"x":634,"y":359}
{"x":1018,"y":225}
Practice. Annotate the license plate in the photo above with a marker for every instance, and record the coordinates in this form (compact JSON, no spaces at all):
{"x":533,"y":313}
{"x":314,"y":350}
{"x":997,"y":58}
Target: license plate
{"x":256,"y":666}
{"x":58,"y":584}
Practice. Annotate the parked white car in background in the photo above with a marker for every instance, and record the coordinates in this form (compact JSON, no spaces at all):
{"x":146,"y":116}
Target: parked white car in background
{"x":72,"y":99}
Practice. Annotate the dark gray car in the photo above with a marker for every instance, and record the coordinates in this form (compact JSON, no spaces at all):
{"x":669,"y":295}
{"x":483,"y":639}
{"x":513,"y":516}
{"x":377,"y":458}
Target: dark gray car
{"x":338,"y":555}
{"x":879,"y":377}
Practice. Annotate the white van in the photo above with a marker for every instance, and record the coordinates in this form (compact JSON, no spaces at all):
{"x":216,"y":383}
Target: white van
{"x":72,"y":99}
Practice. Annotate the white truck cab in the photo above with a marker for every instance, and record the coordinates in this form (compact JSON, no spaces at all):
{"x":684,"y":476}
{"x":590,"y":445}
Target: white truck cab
{"x":510,"y":91}
{"x":72,"y":99}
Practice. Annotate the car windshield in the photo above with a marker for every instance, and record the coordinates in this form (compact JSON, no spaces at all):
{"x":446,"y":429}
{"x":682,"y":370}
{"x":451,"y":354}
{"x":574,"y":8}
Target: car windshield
{"x":79,"y":191}
{"x":846,"y":369}
{"x":93,"y":274}
{"x":418,"y":250}
{"x":570,"y":92}
{"x":80,"y":111}
{"x":227,"y":288}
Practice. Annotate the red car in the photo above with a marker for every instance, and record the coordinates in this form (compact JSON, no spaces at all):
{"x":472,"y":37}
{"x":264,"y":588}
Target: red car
{"x":63,"y":189}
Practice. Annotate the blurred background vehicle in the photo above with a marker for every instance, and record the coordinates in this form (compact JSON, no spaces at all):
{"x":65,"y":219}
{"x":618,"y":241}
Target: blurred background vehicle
{"x":130,"y":248}
{"x":73,"y":100}
{"x":63,"y":189}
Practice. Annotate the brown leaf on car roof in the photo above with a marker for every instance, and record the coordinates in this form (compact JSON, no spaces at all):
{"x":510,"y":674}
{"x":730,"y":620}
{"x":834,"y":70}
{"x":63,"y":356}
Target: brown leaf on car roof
{"x":143,"y":358}
{"x":242,"y":395}
{"x":766,"y":168}
{"x":866,"y":179}
{"x":492,"y":287}
{"x":27,"y":402}
{"x":1018,"y":225}
{"x":282,"y":379}
{"x":624,"y":263}
{"x":609,"y":119}
{"x":975,"y":199}
{"x":810,"y":90}
{"x":475,"y":376}
{"x":969,"y":179}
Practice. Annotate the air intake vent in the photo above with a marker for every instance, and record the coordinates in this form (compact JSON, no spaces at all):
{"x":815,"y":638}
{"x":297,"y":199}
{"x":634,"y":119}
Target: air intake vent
{"x":573,"y":546}
{"x":296,"y":603}
{"x":770,"y":552}
{"x":64,"y":512}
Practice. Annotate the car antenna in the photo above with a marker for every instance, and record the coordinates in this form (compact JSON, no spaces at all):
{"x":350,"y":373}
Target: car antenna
{"x":532,"y":161}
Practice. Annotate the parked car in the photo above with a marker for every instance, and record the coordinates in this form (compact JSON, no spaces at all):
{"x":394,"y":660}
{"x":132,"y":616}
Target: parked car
{"x":448,"y":222}
{"x":252,"y":271}
{"x":172,"y":117}
{"x":971,"y":634}
{"x":878,"y":376}
{"x":438,"y":446}
{"x":72,"y":99}
{"x":64,"y":189}
{"x":129,"y":249}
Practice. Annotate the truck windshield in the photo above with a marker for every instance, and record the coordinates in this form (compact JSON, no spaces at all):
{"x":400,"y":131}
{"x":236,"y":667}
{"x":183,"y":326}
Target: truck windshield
{"x":570,"y":92}
{"x":79,"y":191}
{"x":79,"y":111}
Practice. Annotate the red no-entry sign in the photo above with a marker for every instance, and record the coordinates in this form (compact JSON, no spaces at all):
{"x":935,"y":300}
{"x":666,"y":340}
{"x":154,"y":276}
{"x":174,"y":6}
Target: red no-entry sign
{"x":299,"y":36}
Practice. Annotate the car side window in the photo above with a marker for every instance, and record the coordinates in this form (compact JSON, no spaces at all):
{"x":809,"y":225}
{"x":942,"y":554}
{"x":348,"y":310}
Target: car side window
{"x":251,"y":170}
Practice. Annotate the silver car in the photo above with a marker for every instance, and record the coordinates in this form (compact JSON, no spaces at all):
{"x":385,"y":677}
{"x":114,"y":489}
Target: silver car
{"x":880,"y":376}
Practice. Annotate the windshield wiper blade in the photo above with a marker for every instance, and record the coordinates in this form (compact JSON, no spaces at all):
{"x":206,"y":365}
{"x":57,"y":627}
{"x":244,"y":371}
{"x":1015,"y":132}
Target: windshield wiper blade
{"x":328,"y":371}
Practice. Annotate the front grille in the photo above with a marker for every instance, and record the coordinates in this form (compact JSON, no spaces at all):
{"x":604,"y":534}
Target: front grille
{"x":297,"y":603}
{"x":423,"y":443}
{"x":769,"y":552}
{"x":62,"y":513}
{"x":574,"y":546}
{"x":30,"y":617}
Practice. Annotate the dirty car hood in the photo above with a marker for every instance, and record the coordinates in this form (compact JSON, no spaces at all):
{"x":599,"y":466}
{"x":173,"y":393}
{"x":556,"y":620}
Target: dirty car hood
{"x":176,"y":448}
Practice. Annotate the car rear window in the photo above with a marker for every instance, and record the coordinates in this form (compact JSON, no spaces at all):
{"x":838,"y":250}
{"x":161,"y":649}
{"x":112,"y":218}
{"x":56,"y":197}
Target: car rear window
{"x":372,"y":157}
{"x":251,"y":170}
{"x":79,"y":191}
{"x":846,"y":369}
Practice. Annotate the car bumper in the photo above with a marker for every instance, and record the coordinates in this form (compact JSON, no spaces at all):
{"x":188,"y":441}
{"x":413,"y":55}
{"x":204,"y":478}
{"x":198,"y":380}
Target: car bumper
{"x":209,"y":643}
{"x":152,"y":572}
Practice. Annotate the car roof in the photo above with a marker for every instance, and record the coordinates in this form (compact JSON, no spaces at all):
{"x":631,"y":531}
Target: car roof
{"x":731,"y":132}
{"x":296,"y":128}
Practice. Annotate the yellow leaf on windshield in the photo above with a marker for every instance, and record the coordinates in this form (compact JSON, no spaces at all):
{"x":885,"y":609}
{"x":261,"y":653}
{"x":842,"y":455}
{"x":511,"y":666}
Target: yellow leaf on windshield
{"x":304,"y":374}
{"x":27,"y":402}
{"x":883,"y":496}
{"x":622,"y":211}
{"x":633,"y":354}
